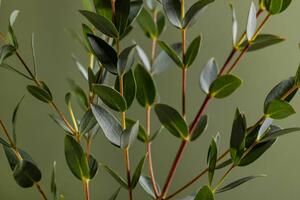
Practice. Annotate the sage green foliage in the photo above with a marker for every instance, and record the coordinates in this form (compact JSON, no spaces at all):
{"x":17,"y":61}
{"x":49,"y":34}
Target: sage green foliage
{"x":120,"y":71}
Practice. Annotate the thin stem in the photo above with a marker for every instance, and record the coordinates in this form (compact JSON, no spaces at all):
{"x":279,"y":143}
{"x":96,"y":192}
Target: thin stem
{"x":223,"y":178}
{"x":86,"y":188}
{"x":7,"y":134}
{"x":183,"y":95}
{"x":40,"y":190}
{"x":127,"y":163}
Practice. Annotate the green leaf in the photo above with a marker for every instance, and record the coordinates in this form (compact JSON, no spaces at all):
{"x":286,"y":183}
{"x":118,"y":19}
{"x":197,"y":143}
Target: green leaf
{"x":6,"y":51}
{"x":161,"y":22}
{"x":103,"y":7}
{"x":85,"y":31}
{"x":205,"y":193}
{"x":172,"y":121}
{"x":80,"y":95}
{"x":142,"y":135}
{"x":256,"y":152}
{"x":122,"y":13}
{"x":238,"y":182}
{"x":14,"y":120}
{"x":147,"y":24}
{"x":224,"y":164}
{"x":33,"y":54}
{"x":224,"y":86}
{"x":171,"y":52}
{"x":146,"y":90}
{"x":172,"y":9}
{"x":135,"y":10}
{"x":87,"y":122}
{"x":278,"y":109}
{"x":126,"y":60}
{"x":251,"y":23}
{"x":212,"y":160}
{"x":276,"y":6}
{"x":4,"y":143}
{"x":297,"y":77}
{"x":105,"y":53}
{"x":144,"y":58}
{"x":208,"y":75}
{"x":111,"y":97}
{"x":193,"y":13}
{"x":162,"y":61}
{"x":129,"y":87}
{"x":53,"y":186}
{"x":76,"y":158}
{"x":192,"y":51}
{"x":138,"y":171}
{"x":12,"y":159}
{"x":8,"y":67}
{"x":280,"y":90}
{"x":277,"y":133}
{"x":39,"y":93}
{"x":238,"y":135}
{"x":26,"y":174}
{"x":101,"y":23}
{"x":262,"y":41}
{"x":129,"y":135}
{"x":200,"y":127}
{"x":87,"y":5}
{"x":146,"y":184}
{"x":111,"y":127}
{"x":93,"y":166}
{"x":117,"y":177}
{"x":60,"y":123}
{"x":11,"y":35}
{"x":115,"y":194}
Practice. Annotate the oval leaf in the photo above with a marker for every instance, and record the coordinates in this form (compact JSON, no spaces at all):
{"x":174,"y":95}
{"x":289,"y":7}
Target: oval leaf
{"x":208,"y":75}
{"x":205,"y":193}
{"x":26,"y":174}
{"x":224,"y":86}
{"x":278,"y":109}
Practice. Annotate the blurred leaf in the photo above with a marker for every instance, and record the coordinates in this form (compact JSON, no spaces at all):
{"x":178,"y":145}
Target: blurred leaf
{"x":193,"y":13}
{"x":76,"y":158}
{"x":205,"y":193}
{"x":146,"y":184}
{"x":111,"y":127}
{"x":105,"y":53}
{"x":192,"y":51}
{"x":93,"y":166}
{"x":122,"y":13}
{"x":208,"y":75}
{"x":238,"y":182}
{"x":81,"y":68}
{"x":12,"y":159}
{"x":264,"y":127}
{"x":26,"y":174}
{"x":126,"y":60}
{"x":53,"y":186}
{"x":171,"y":52}
{"x":101,"y":23}
{"x":234,"y":25}
{"x":87,"y":122}
{"x":200,"y":127}
{"x":33,"y":54}
{"x":251,"y":24}
{"x":172,"y":10}
{"x":115,"y":194}
{"x":135,"y":10}
{"x":138,"y":171}
{"x":262,"y":41}
{"x":297,"y":77}
{"x":4,"y":143}
{"x":39,"y":93}
{"x":60,"y":123}
{"x":8,"y":67}
{"x":161,"y":23}
{"x":212,"y":160}
{"x":117,"y":177}
{"x":80,"y":95}
{"x":224,"y":164}
{"x":14,"y":120}
{"x":129,"y":135}
{"x":142,"y":135}
{"x":87,"y":5}
{"x":86,"y":30}
{"x":278,"y":133}
{"x":276,"y":6}
{"x":147,"y":24}
{"x":111,"y":97}
{"x":224,"y":86}
{"x":144,"y":58}
{"x":11,"y":35}
{"x":103,"y":7}
{"x":278,"y":109}
{"x":6,"y":51}
{"x":238,"y":134}
{"x":146,"y":90}
{"x":172,"y":121}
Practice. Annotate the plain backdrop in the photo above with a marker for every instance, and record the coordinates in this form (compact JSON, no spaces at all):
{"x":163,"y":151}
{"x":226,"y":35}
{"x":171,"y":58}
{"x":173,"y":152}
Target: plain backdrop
{"x":259,"y":70}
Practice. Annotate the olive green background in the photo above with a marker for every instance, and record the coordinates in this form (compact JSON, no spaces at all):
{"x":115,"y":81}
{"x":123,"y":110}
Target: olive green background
{"x":260,"y":71}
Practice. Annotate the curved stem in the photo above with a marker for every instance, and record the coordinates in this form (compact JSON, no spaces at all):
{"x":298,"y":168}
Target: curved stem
{"x":41,"y":191}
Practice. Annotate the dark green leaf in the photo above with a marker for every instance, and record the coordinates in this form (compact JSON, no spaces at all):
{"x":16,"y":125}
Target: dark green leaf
{"x":39,"y":93}
{"x":115,"y":194}
{"x":172,"y":9}
{"x":238,"y":134}
{"x":278,"y":109}
{"x":3,"y":142}
{"x":146,"y":91}
{"x":142,"y":135}
{"x":208,"y":75}
{"x":262,"y":41}
{"x":122,"y":13}
{"x":192,"y":51}
{"x":6,"y":51}
{"x":129,"y":135}
{"x":205,"y":193}
{"x":200,"y":127}
{"x":26,"y":174}
{"x":171,"y":52}
{"x":147,"y":24}
{"x":135,"y":10}
{"x":138,"y":171}
{"x":116,"y":176}
{"x":76,"y":158}
{"x":237,"y":183}
{"x":126,"y":60}
{"x":111,"y":127}
{"x":87,"y":122}
{"x":111,"y":97}
{"x":224,"y":164}
{"x":8,"y":67}
{"x":161,"y":22}
{"x":101,"y":23}
{"x":297,"y":77}
{"x":224,"y":86}
{"x":80,"y":95}
{"x":146,"y":184}
{"x":172,"y":121}
{"x":194,"y":12}
{"x":103,"y":7}
{"x":93,"y":166}
{"x":278,"y":133}
{"x":277,"y":6}
{"x":61,"y":123}
{"x":14,"y":120}
{"x":129,"y":87}
{"x":85,"y":31}
{"x":212,"y":160}
{"x":12,"y":159}
{"x":105,"y":53}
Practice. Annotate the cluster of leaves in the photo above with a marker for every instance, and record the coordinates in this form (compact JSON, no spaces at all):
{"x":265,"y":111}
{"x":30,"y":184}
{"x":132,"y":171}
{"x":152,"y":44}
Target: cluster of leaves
{"x":109,"y":23}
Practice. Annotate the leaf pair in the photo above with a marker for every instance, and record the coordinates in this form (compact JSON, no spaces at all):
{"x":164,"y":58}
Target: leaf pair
{"x":172,"y":9}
